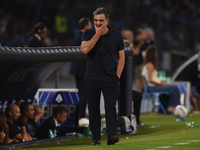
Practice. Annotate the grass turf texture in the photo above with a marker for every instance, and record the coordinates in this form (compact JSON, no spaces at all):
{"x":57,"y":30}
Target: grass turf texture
{"x":169,"y":134}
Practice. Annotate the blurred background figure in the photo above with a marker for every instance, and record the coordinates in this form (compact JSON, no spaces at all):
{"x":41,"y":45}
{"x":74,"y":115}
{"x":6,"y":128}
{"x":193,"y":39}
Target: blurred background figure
{"x":39,"y":33}
{"x":128,"y":35}
{"x":78,"y":69}
{"x":150,"y":72}
{"x":52,"y":123}
{"x":138,"y":59}
{"x":144,"y":38}
{"x":38,"y":113}
{"x":195,"y":99}
{"x":31,"y":117}
{"x":16,"y":124}
{"x":61,"y":27}
{"x":4,"y":130}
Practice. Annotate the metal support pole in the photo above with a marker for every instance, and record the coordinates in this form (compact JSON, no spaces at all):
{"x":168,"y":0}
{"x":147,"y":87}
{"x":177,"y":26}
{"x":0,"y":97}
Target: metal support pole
{"x":125,"y":98}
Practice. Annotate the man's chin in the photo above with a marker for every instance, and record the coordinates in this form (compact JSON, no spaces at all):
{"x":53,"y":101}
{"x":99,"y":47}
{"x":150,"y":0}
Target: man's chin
{"x":15,"y":120}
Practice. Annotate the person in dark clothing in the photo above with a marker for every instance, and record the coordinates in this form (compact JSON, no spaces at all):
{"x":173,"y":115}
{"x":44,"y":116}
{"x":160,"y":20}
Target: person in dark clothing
{"x":4,"y":130}
{"x":144,"y":38}
{"x":105,"y":61}
{"x":78,"y":69}
{"x":16,"y":124}
{"x":27,"y":111}
{"x":40,"y":31}
{"x":35,"y":122}
{"x":137,"y":99}
{"x":52,"y":123}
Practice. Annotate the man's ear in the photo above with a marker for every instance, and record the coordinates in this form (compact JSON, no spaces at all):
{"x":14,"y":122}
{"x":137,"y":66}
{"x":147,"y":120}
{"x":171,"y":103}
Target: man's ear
{"x":10,"y":113}
{"x":57,"y":116}
{"x":107,"y":20}
{"x":26,"y":113}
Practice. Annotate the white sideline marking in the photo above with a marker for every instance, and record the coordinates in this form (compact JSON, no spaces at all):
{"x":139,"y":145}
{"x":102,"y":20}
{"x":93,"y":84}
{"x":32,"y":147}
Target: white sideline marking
{"x":181,"y":143}
{"x":194,"y":141}
{"x":175,"y":144}
{"x":164,"y":146}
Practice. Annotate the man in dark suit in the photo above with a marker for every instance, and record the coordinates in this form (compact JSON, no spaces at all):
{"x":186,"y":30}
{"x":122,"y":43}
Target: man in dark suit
{"x":78,"y":69}
{"x":52,"y":123}
{"x":40,"y":31}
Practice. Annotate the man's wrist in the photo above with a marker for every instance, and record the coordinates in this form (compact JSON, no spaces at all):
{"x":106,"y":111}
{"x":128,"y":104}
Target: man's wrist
{"x":98,"y":35}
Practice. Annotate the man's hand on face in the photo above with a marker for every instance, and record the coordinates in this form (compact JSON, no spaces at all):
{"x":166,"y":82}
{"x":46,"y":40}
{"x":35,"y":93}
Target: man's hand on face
{"x":21,"y":121}
{"x":101,"y":30}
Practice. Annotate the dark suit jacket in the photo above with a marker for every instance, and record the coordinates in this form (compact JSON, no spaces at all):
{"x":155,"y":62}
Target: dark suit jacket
{"x":43,"y":130}
{"x":34,"y":42}
{"x":78,"y":68}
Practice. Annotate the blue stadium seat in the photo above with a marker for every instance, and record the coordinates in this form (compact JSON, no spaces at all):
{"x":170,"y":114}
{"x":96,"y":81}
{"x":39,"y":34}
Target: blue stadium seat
{"x":34,"y":101}
{"x":148,"y":93}
{"x":14,"y":101}
{"x":5,"y":105}
{"x":29,"y":100}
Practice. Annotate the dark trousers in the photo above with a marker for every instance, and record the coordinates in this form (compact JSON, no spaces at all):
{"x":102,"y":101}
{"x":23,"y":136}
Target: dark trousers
{"x":137,"y":99}
{"x":80,"y":84}
{"x":109,"y":89}
{"x":174,"y":93}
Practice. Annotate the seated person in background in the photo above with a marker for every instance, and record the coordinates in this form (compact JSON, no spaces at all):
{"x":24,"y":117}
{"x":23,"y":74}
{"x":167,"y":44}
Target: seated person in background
{"x":27,"y":112}
{"x":16,"y":124}
{"x":52,"y":123}
{"x":149,"y":70}
{"x":4,"y":131}
{"x":35,"y":122}
{"x":137,"y":99}
{"x":194,"y":96}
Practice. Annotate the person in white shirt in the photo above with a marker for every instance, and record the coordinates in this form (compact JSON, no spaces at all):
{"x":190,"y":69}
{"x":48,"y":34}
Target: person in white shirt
{"x":150,"y":71}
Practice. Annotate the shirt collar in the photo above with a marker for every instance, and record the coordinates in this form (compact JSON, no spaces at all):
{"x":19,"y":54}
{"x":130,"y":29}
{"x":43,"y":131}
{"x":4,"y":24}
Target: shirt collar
{"x":38,"y":37}
{"x":56,"y":122}
{"x":109,"y":30}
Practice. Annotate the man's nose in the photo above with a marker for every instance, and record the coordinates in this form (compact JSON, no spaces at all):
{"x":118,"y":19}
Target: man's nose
{"x":98,"y":23}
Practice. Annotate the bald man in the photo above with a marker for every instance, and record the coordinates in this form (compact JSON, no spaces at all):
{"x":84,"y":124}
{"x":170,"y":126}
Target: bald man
{"x":16,"y":124}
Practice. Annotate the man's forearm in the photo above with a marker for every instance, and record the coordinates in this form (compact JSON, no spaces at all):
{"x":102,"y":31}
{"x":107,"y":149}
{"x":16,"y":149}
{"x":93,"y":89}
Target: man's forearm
{"x":6,"y":138}
{"x":87,"y":46}
{"x":25,"y":134}
{"x":38,"y":113}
